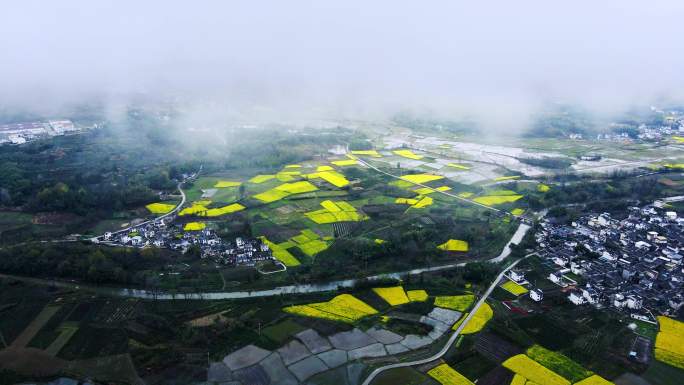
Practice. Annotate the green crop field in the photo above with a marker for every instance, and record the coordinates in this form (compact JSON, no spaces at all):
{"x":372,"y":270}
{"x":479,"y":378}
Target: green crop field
{"x":13,"y":219}
{"x":282,"y":331}
{"x":225,"y":194}
{"x":404,"y":376}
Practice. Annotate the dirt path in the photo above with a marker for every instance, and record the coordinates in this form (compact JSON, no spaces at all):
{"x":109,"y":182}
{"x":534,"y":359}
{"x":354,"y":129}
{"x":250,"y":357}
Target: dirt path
{"x":34,"y":327}
{"x":223,"y":279}
{"x":65,"y":334}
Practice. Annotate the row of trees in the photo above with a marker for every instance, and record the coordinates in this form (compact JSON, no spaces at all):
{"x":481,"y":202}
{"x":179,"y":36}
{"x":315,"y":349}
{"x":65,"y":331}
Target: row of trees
{"x":609,"y":194}
{"x":82,"y":262}
{"x":547,"y":162}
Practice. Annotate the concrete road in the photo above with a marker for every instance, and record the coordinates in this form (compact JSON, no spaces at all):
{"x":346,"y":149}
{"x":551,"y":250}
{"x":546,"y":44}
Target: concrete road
{"x":453,"y":337}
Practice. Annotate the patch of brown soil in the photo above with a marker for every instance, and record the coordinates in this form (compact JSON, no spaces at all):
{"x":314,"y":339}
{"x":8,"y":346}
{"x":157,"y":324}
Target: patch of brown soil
{"x":55,"y":218}
{"x":30,"y":362}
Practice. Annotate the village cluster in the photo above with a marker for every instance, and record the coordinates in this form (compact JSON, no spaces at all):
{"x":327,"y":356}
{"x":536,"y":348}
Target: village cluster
{"x":672,"y":124}
{"x":20,"y":133}
{"x":163,"y":233}
{"x":632,"y":265}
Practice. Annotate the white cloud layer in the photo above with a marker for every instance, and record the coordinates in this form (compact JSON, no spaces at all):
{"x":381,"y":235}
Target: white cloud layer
{"x":345,"y":58}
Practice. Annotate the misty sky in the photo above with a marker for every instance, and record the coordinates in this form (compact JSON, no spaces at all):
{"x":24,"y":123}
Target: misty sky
{"x":345,"y":57}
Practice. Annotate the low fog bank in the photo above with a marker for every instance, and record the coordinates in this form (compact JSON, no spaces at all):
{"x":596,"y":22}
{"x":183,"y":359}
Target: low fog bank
{"x":497,"y":63}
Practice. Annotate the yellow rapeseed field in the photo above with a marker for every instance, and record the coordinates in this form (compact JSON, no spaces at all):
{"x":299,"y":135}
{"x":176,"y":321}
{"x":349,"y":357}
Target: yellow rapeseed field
{"x":458,"y":166}
{"x":501,"y":178}
{"x":558,"y":363}
{"x":417,"y":295}
{"x":492,"y":200}
{"x":466,"y":194}
{"x":455,"y":302}
{"x":194,"y":209}
{"x":333,"y":177}
{"x":345,"y":162}
{"x":379,"y":241}
{"x":314,"y":247}
{"x":281,"y":254}
{"x":670,"y":325}
{"x":406,"y":201}
{"x":345,"y":206}
{"x":514,"y":288}
{"x":408,"y":154}
{"x":392,"y":295}
{"x":194,"y":226}
{"x":349,"y":305}
{"x":445,"y":375}
{"x":670,"y":358}
{"x":460,"y":321}
{"x":330,"y":206}
{"x":423,"y":202}
{"x":594,"y":380}
{"x":427,"y":190}
{"x":344,"y":308}
{"x":222,"y":210}
{"x":226,"y":183}
{"x":669,"y":345}
{"x":271,"y":195}
{"x":518,"y":380}
{"x":679,"y":139}
{"x":308,"y":311}
{"x":401,"y":184}
{"x":332,"y":212}
{"x":321,"y":216}
{"x":285,"y":190}
{"x":285,"y":177}
{"x":533,"y":371}
{"x":297,"y":187}
{"x":288,"y":172}
{"x":160,"y":208}
{"x":262,"y":178}
{"x":371,"y":153}
{"x":309,"y":242}
{"x":421,"y":178}
{"x":324,"y":168}
{"x":423,"y":191}
{"x":541,"y":187}
{"x":454,"y":245}
{"x":517,"y":211}
{"x":479,"y":320}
